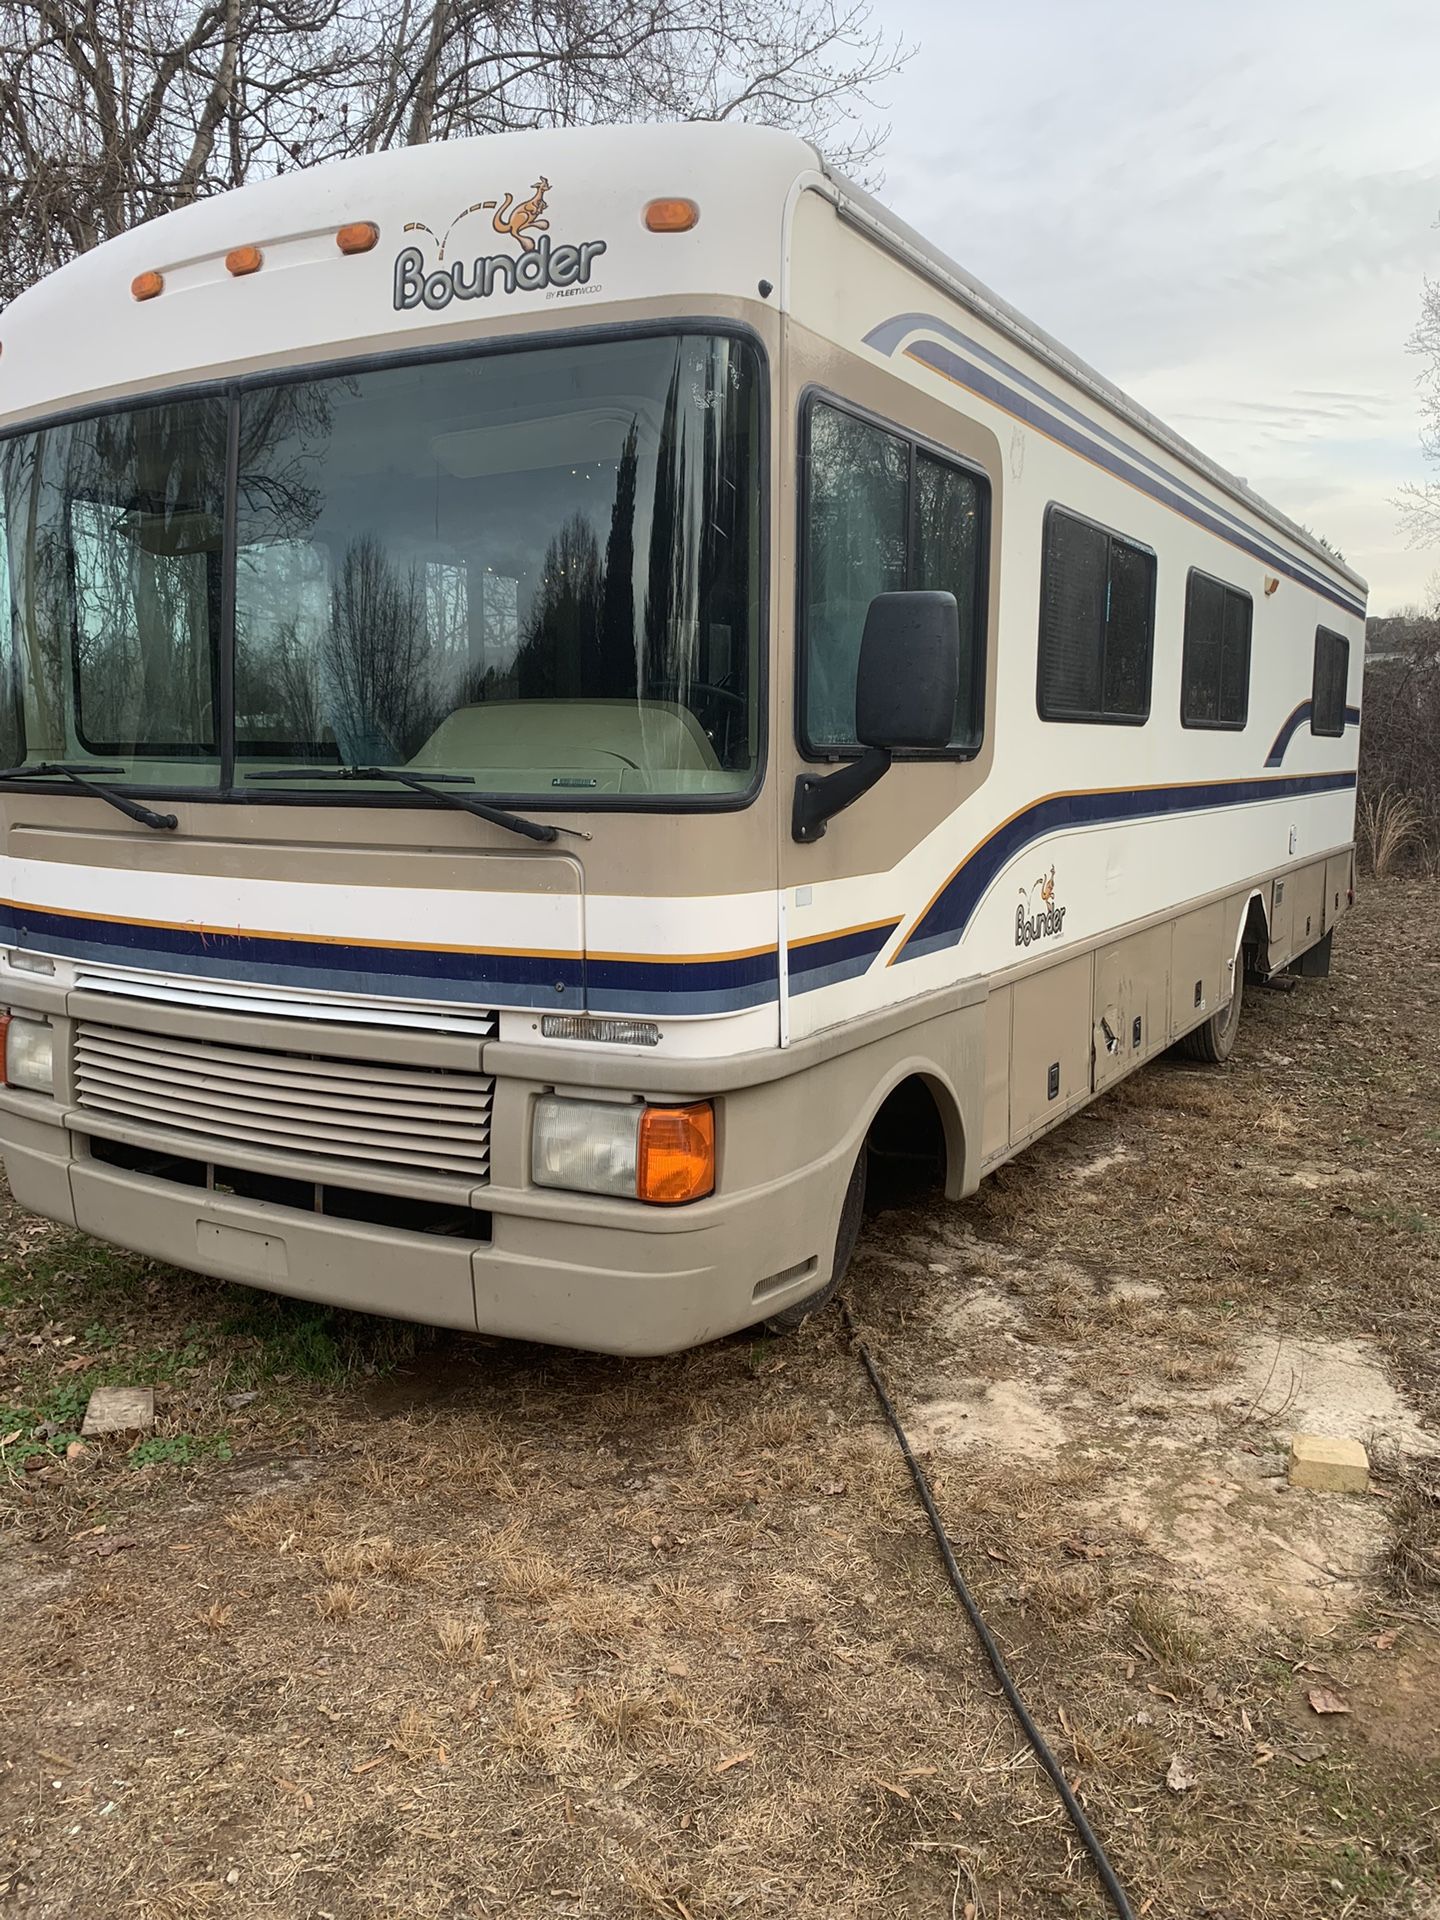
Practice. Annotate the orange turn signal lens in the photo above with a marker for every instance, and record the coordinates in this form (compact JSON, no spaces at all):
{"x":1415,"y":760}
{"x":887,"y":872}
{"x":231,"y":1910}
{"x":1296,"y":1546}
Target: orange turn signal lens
{"x":4,"y":1049}
{"x":243,"y":260}
{"x":676,"y":1158}
{"x":145,"y":286}
{"x":671,"y":216}
{"x":359,"y":237}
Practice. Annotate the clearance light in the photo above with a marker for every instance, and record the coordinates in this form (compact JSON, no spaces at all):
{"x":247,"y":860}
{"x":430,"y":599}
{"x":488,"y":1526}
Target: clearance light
{"x":589,"y":1026}
{"x":243,"y":260}
{"x":671,"y":216}
{"x":145,"y":286}
{"x":359,"y":237}
{"x":665,"y":1155}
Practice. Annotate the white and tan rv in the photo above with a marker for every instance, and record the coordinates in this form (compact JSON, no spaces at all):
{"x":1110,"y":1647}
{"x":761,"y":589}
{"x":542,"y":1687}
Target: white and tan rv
{"x":560,"y":688}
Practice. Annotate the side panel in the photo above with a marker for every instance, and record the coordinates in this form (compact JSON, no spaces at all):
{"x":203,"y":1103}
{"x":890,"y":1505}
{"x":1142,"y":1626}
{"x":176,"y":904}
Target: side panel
{"x":1132,"y":1003}
{"x":1308,"y":906}
{"x":1338,"y":869}
{"x":995,"y":1133}
{"x":1199,"y":981}
{"x":1050,"y":1059}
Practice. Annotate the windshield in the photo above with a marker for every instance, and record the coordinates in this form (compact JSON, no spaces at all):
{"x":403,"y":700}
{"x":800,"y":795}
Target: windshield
{"x":538,"y":570}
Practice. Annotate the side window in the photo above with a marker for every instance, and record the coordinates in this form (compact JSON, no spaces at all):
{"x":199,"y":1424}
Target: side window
{"x":1332,"y":676}
{"x":1097,"y":623}
{"x":881,"y":515}
{"x":12,"y":745}
{"x":1215,"y":669}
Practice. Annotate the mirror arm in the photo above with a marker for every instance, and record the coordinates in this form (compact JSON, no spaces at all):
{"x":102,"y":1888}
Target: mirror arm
{"x":817,"y":799}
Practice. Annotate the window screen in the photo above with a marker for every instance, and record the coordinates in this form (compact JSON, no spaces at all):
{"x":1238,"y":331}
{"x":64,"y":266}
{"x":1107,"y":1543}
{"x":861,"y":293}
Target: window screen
{"x":1215,"y":670}
{"x":1097,"y":623}
{"x":882,"y":515}
{"x":1332,"y":673}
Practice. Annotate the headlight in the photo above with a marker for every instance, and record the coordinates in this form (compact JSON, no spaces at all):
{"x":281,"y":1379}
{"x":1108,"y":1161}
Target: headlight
{"x":665,"y":1155}
{"x":30,"y":1054}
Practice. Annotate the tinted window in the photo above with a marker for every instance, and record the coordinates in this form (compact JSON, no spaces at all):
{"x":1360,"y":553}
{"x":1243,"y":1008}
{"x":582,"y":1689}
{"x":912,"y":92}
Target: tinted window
{"x":882,"y":515}
{"x":116,"y":586}
{"x":1097,"y":623}
{"x":1215,"y":671}
{"x":1332,"y":673}
{"x":539,"y":569}
{"x":12,"y":740}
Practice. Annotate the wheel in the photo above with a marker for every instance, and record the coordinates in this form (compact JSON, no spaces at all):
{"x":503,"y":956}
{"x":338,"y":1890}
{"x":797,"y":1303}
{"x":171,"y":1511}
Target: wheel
{"x":1214,"y":1041}
{"x":852,"y":1210}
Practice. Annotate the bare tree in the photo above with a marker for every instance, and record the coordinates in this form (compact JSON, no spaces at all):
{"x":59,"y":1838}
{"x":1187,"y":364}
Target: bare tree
{"x":1420,"y":503}
{"x":1399,"y":768}
{"x":113,"y":111}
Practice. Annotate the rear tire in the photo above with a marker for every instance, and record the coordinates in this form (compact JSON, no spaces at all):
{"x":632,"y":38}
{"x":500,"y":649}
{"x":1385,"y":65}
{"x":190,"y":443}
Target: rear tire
{"x":1214,"y":1041}
{"x":852,"y":1212}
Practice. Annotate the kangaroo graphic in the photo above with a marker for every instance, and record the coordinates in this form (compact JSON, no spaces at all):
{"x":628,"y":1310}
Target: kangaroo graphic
{"x":1047,"y":888}
{"x":516,"y":218}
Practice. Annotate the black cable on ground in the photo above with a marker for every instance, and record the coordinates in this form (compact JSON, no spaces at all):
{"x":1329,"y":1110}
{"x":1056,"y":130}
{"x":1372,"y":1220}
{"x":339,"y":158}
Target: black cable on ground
{"x":1039,"y":1745}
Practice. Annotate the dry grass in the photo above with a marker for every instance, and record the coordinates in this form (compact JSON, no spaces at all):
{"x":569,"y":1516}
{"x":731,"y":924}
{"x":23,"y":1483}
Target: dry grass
{"x":458,"y":1638}
{"x":467,"y":1628}
{"x":340,"y":1600}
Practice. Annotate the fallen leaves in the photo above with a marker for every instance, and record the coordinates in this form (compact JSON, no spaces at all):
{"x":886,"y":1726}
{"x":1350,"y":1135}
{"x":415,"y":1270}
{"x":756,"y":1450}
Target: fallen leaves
{"x":1178,"y":1777}
{"x":736,"y":1760}
{"x":1324,"y":1700}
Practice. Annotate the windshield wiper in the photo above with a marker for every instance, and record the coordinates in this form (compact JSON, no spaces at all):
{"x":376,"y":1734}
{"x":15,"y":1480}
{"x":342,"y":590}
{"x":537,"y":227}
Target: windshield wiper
{"x":436,"y":788}
{"x":162,"y":822}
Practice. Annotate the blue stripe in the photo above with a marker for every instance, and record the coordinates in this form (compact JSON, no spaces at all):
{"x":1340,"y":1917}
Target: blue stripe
{"x":821,"y":963}
{"x":944,"y":921}
{"x":658,"y":986}
{"x":1300,"y":718}
{"x":1124,"y":462}
{"x":472,"y":978}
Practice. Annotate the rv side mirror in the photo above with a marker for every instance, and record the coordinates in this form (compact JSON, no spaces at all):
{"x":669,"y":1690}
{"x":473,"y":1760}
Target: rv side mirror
{"x":909,"y":676}
{"x":905,"y":693}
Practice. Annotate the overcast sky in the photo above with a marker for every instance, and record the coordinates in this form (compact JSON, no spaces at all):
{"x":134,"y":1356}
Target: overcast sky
{"x":1226,"y":207}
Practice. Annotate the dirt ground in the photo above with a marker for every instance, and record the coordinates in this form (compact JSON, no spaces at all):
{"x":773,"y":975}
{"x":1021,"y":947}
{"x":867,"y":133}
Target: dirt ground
{"x":385,"y":1622}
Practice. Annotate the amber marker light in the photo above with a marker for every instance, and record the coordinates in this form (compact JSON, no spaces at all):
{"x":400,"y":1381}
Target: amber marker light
{"x":145,"y":286}
{"x":676,"y":1158}
{"x":243,"y":260}
{"x":359,"y":237}
{"x":671,"y":216}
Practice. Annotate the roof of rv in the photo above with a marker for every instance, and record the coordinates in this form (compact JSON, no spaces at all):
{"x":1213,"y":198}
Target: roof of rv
{"x":81,"y":325}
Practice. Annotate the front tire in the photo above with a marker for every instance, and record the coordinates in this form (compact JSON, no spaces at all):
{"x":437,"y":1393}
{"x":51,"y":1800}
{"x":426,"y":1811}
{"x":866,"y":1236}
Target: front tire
{"x":852,"y":1212}
{"x":1214,"y":1041}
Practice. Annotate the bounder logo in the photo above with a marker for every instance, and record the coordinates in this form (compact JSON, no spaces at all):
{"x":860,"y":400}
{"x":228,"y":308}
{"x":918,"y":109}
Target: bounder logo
{"x":1037,"y":917}
{"x":539,"y":266}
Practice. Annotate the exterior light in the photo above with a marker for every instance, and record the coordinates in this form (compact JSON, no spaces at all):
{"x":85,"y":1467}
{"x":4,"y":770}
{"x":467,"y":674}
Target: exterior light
{"x":589,"y":1026}
{"x":671,"y":216}
{"x":665,"y":1155}
{"x":145,"y":286}
{"x":29,"y":1052}
{"x":243,"y":260}
{"x":358,"y":237}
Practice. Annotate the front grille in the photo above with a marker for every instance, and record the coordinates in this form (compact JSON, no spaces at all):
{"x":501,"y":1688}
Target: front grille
{"x":356,"y":1112}
{"x":283,"y":1003}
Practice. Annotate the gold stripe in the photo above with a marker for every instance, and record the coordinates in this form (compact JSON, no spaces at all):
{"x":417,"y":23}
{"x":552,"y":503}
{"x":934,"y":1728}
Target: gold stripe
{"x":869,"y":926}
{"x":394,"y":946}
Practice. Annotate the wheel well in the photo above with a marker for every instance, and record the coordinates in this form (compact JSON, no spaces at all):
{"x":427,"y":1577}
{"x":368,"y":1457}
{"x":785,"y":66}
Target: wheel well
{"x":909,"y":1143}
{"x":1255,"y":936}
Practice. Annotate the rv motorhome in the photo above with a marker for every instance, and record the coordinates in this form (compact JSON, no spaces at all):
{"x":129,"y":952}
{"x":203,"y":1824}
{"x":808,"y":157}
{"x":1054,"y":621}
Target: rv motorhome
{"x":561,"y":689}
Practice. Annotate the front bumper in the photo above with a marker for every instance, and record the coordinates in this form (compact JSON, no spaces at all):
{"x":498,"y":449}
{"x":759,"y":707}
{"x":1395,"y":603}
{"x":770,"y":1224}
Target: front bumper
{"x":571,"y":1269}
{"x":611,"y":1276}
